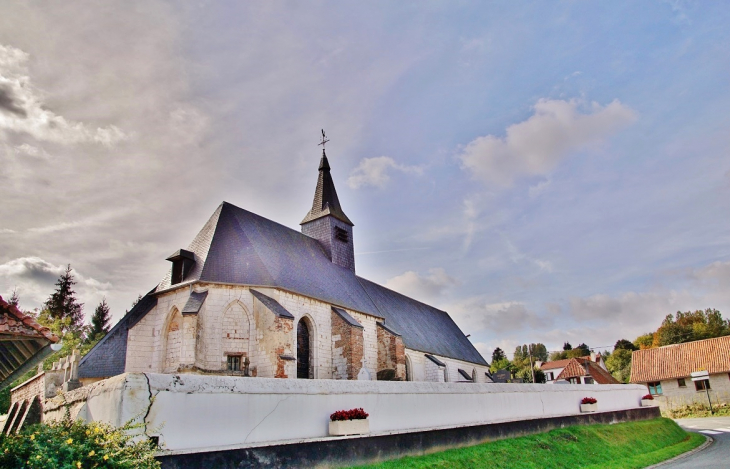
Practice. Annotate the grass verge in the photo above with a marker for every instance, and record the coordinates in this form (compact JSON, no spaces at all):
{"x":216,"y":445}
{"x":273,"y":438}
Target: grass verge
{"x":622,"y":445}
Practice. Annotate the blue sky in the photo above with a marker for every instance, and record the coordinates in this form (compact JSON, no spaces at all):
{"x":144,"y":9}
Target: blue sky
{"x":544,"y":171}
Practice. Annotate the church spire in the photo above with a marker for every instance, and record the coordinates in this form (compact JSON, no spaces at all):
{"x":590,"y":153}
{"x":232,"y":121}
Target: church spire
{"x":325,"y":196}
{"x":326,"y":222}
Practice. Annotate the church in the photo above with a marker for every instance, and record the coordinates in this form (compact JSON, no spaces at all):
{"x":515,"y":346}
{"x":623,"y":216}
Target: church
{"x":250,"y":297}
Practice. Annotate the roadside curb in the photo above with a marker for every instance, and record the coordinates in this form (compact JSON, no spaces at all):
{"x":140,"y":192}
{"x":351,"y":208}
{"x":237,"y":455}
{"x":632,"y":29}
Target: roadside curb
{"x":708,"y":441}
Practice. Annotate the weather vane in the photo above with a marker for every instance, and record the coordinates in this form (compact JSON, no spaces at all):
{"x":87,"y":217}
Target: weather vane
{"x":324,"y":140}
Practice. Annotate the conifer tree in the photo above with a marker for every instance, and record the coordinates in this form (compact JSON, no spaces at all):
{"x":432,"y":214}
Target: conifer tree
{"x":62,"y":303}
{"x":100,"y":321}
{"x":14,"y":300}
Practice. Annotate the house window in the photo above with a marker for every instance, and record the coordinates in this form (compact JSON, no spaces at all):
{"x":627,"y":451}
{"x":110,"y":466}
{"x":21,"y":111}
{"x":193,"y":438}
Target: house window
{"x":234,"y":363}
{"x":655,"y":388}
{"x":702,"y":385}
{"x":549,"y":376}
{"x":681,"y":383}
{"x":574,"y":380}
{"x":587,"y":380}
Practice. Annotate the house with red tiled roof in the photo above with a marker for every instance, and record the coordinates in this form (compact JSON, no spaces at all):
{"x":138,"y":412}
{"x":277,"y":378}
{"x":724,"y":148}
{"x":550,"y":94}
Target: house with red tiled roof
{"x":23,"y":343}
{"x":583,"y":370}
{"x":666,"y":371}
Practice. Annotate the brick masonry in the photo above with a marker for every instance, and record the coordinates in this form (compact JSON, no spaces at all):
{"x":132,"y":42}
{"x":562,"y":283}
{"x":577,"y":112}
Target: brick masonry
{"x":391,"y":353}
{"x":231,"y":320}
{"x":347,"y":348}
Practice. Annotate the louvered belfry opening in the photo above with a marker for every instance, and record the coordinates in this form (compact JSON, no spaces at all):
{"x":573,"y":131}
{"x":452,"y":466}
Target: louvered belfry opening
{"x":303,"y":351}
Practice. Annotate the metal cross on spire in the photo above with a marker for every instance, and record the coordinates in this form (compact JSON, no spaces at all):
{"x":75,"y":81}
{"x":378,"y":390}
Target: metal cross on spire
{"x":324,"y":140}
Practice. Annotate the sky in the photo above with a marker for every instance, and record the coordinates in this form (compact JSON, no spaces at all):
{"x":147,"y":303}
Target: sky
{"x":543,"y":171}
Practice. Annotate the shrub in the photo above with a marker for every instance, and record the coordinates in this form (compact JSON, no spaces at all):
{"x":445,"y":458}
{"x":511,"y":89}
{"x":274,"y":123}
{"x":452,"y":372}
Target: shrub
{"x":69,"y":444}
{"x":588,"y":400}
{"x":649,"y":397}
{"x":352,"y":414}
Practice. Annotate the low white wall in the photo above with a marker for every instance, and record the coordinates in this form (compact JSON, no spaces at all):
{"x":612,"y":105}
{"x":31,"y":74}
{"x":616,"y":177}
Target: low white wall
{"x":196,"y":412}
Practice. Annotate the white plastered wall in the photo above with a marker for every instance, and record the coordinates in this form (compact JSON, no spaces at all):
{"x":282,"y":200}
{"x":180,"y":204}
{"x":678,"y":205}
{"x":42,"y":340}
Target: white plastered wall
{"x":233,"y":412}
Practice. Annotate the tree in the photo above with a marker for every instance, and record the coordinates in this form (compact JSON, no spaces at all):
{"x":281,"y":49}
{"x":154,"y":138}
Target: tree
{"x":645,"y":341}
{"x":690,"y":326}
{"x":619,"y":364}
{"x":502,"y":364}
{"x":100,"y":321}
{"x":62,"y":303}
{"x":623,"y":344}
{"x":526,"y":375}
{"x":498,"y":354}
{"x":567,"y":346}
{"x":14,"y":300}
{"x":555,"y":356}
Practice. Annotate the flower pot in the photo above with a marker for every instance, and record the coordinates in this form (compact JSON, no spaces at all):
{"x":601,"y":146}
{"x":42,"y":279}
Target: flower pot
{"x":647,"y":402}
{"x":349,"y":427}
{"x":589,"y":407}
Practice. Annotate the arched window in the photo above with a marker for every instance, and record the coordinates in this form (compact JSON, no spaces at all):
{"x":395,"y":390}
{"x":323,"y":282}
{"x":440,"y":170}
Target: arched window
{"x":473,"y":375}
{"x":173,"y":343}
{"x":409,"y":369}
{"x":235,"y":331}
{"x":304,"y":350}
{"x":446,"y":373}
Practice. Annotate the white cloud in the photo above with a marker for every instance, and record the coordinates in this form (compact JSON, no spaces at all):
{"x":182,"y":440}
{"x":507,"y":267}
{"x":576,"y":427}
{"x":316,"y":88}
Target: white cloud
{"x":35,"y":280}
{"x":478,"y":314}
{"x":428,"y":286}
{"x":536,"y":145}
{"x":23,"y":110}
{"x":374,"y":172}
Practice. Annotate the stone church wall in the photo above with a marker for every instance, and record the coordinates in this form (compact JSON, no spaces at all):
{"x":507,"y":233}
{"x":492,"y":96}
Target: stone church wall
{"x":202,"y":340}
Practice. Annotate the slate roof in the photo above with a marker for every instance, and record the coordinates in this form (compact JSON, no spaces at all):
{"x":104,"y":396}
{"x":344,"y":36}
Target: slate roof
{"x":195,"y":302}
{"x":680,"y":360}
{"x":325,"y":201}
{"x":585,"y":367}
{"x":347,"y":318}
{"x":239,"y":247}
{"x":109,"y":356}
{"x":272,"y":305}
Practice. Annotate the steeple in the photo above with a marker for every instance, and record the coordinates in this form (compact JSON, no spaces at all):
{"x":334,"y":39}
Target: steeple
{"x":325,"y":196}
{"x":326,"y":222}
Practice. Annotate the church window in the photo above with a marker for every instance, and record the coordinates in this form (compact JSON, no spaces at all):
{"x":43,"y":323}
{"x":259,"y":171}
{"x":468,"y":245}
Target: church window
{"x":341,"y":234}
{"x":304,"y":369}
{"x":235,"y":335}
{"x":234,"y":363}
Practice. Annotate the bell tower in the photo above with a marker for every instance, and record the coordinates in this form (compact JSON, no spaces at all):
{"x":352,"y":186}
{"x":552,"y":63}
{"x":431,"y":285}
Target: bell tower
{"x":326,"y":222}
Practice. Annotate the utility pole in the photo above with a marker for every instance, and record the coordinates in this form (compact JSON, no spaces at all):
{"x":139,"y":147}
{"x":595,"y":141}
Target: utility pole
{"x":532,"y":368}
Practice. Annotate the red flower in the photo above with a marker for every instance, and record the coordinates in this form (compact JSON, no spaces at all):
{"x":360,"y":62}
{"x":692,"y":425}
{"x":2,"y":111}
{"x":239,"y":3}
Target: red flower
{"x":352,"y":414}
{"x":648,"y":396}
{"x":588,"y":400}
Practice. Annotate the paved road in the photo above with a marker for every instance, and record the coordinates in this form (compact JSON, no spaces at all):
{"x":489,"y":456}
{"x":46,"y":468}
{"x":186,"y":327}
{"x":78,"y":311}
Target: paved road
{"x":717,"y":455}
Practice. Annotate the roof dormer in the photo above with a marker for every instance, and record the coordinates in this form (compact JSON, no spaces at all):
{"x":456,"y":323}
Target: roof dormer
{"x":182,"y":263}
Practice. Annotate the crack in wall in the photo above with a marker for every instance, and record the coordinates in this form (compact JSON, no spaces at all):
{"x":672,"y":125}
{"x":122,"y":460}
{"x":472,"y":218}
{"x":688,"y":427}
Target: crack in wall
{"x":265,"y":417}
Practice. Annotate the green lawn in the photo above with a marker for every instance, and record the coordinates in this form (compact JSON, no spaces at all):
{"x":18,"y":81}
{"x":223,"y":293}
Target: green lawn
{"x":623,"y":445}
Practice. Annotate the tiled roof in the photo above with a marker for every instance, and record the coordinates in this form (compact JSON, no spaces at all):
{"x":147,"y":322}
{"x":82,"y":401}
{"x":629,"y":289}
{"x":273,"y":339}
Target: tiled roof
{"x":347,"y":318}
{"x":556,"y":364}
{"x":14,"y":322}
{"x":241,"y":248}
{"x":23,"y":342}
{"x":585,"y":367}
{"x":680,"y":360}
{"x":272,"y":305}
